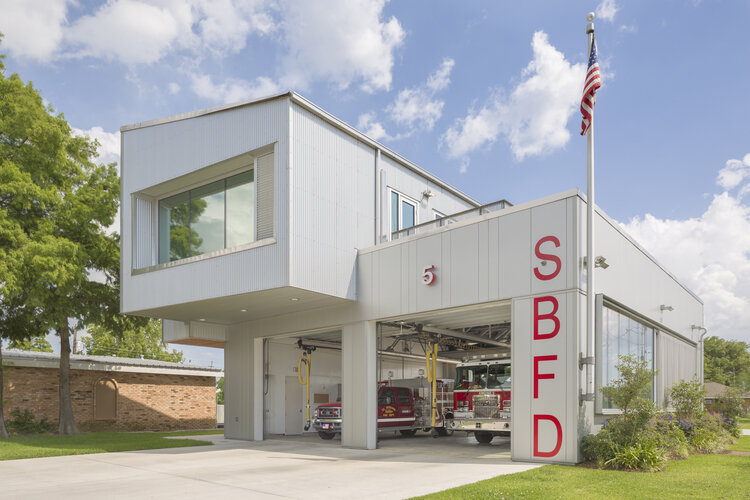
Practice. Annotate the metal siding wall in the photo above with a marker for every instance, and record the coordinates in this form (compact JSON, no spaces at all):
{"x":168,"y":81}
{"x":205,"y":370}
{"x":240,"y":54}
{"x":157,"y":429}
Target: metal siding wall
{"x":332,"y":205}
{"x":675,"y":361}
{"x":143,"y":232}
{"x":635,"y":280}
{"x":265,"y":189}
{"x":241,"y":398}
{"x":412,"y":185}
{"x":160,"y":153}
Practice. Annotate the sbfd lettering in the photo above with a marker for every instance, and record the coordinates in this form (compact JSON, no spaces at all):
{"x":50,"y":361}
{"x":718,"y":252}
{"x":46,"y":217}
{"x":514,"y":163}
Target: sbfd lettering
{"x":546,"y":326}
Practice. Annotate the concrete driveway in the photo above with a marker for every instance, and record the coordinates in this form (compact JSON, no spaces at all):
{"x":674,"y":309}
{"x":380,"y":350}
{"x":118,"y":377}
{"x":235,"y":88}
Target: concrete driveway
{"x":296,"y":467}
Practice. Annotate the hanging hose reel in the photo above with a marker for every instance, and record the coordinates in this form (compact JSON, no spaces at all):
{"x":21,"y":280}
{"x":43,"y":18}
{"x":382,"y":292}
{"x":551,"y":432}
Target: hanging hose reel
{"x":305,"y":359}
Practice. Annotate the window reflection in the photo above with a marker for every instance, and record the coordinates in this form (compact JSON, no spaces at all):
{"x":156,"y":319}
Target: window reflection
{"x":623,"y":336}
{"x":208,"y":218}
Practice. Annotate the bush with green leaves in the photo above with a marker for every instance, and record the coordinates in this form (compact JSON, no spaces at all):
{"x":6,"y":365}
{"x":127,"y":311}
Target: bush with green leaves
{"x":643,"y":455}
{"x":24,"y":422}
{"x":729,"y":405}
{"x":686,"y":397}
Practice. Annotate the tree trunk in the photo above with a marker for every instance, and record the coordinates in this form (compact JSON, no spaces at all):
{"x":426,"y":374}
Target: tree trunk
{"x":67,"y":422}
{"x":3,"y":430}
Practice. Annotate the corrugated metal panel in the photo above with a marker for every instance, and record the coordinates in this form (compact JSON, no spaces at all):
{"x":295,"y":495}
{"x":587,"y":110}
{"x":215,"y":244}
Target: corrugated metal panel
{"x":265,"y":190}
{"x":166,"y":152}
{"x":143,"y":229}
{"x":675,"y":361}
{"x":332,"y":204}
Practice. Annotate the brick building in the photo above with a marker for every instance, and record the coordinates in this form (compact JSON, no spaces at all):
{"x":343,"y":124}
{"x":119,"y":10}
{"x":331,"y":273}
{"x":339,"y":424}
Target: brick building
{"x":113,"y":393}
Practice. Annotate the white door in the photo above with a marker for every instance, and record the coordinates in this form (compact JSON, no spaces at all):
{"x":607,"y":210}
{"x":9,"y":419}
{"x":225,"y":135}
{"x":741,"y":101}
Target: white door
{"x":294,"y":419}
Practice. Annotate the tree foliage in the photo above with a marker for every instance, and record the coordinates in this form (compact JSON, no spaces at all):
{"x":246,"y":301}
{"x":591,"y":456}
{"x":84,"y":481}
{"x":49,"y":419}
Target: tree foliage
{"x":57,"y":261}
{"x":727,"y":362}
{"x":37,"y":344}
{"x":134,"y":341}
{"x":220,"y":391}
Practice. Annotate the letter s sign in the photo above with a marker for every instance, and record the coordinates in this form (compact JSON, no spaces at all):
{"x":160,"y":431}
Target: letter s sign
{"x":428,"y":275}
{"x":547,"y":256}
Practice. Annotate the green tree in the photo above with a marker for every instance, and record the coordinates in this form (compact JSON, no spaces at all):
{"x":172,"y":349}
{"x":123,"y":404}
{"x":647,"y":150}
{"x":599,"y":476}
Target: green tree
{"x":727,"y":362}
{"x":134,"y":341}
{"x":59,"y":265}
{"x":38,"y":344}
{"x":220,"y":391}
{"x":631,"y":393}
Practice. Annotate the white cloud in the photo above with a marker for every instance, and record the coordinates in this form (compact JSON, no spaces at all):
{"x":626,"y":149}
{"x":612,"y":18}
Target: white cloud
{"x":343,"y":42}
{"x":33,"y":28}
{"x":173,"y":88}
{"x":374,"y":129}
{"x":533,"y":117}
{"x":233,"y":89}
{"x":734,"y":173}
{"x":628,"y":28}
{"x":109,"y":144}
{"x":130,"y":31}
{"x":606,"y":10}
{"x":710,"y":254}
{"x":417,"y":107}
{"x":224,"y":25}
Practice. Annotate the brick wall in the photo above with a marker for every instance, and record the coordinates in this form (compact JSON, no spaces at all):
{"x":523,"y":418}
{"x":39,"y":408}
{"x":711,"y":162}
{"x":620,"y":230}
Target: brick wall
{"x":145,"y":401}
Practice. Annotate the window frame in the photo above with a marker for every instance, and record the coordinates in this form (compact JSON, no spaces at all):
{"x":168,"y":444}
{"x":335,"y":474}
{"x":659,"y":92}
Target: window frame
{"x":402,"y":198}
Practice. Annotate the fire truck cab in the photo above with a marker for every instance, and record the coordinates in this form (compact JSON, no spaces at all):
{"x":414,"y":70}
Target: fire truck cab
{"x":481,"y":399}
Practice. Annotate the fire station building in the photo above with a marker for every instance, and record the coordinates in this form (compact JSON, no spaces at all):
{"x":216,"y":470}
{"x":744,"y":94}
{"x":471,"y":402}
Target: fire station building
{"x":269,"y":224}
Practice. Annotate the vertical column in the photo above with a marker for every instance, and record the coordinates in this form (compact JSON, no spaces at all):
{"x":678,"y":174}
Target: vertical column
{"x":243,"y":391}
{"x":359,"y":385}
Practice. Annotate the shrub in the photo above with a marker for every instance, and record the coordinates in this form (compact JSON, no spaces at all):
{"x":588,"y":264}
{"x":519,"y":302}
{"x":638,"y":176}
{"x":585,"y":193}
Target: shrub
{"x":643,"y":455}
{"x":687,"y":398}
{"x":24,"y":422}
{"x":729,"y":406}
{"x":669,"y":435}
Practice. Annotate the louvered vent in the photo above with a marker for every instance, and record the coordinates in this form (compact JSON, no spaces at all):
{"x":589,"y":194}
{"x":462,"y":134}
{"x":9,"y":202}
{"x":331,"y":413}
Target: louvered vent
{"x":142,"y":232}
{"x":264,"y":187}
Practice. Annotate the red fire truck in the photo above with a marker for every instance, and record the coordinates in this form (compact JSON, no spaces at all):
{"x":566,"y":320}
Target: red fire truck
{"x":481,"y":399}
{"x":403,"y":405}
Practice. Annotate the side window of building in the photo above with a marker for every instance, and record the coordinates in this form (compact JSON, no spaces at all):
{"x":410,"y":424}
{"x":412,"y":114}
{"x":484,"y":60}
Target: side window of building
{"x":403,"y":212}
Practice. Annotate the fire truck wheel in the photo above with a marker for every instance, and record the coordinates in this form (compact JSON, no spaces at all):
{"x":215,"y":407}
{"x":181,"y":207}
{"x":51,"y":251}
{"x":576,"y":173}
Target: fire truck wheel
{"x":326,"y":435}
{"x":483,"y":437}
{"x":408,"y":432}
{"x":442,"y":431}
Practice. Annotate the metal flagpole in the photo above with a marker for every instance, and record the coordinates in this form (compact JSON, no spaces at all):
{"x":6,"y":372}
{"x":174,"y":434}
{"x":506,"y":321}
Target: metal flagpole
{"x":590,"y":264}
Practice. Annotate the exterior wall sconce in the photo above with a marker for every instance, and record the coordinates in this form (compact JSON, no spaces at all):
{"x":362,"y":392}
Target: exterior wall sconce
{"x":666,"y":308}
{"x":427,"y":194}
{"x":599,"y":261}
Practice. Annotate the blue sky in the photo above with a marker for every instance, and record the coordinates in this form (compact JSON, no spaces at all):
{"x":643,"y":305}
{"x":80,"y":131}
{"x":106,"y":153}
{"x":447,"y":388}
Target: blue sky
{"x":484,"y":94}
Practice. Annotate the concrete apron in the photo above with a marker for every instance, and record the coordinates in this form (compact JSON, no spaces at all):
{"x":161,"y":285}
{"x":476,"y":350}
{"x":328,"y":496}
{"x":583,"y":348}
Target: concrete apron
{"x":289,"y":467}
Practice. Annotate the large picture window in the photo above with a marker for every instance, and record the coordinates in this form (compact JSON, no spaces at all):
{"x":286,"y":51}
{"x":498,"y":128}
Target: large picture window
{"x":622,"y":336}
{"x":208,"y":218}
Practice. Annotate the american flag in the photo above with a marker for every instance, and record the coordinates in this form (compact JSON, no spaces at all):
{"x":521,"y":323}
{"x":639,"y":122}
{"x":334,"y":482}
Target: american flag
{"x":593,"y":82}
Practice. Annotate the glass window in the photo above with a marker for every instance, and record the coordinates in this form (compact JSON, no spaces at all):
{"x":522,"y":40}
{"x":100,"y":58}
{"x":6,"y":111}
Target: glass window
{"x":499,"y":377}
{"x":408,"y":214}
{"x":240,"y":199}
{"x":386,"y":397}
{"x":174,"y":228}
{"x":623,"y":336}
{"x":394,"y":212}
{"x":471,"y":377}
{"x":403,"y":212}
{"x":208,"y":218}
{"x":403,"y":395}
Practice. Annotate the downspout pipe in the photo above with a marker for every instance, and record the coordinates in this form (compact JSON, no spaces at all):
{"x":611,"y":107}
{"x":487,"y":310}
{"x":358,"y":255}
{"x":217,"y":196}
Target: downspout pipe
{"x":699,"y":354}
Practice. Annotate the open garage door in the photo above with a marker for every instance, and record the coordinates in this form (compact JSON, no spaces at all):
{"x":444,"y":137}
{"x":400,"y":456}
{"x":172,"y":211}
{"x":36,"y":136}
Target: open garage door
{"x":469,"y":388}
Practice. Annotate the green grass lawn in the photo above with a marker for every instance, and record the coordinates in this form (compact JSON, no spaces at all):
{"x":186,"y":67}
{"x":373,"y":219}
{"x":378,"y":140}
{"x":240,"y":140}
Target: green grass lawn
{"x":744,"y":422}
{"x":95,"y":442}
{"x":700,"y":476}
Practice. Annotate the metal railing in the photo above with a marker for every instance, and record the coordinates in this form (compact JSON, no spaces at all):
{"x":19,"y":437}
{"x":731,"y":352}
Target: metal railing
{"x":451,"y":219}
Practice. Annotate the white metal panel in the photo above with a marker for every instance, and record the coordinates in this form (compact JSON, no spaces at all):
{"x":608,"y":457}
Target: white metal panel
{"x":359,"y":385}
{"x":332,"y":205}
{"x":157,"y":154}
{"x":238,"y":385}
{"x":143,"y":232}
{"x":550,"y":221}
{"x":514,"y":254}
{"x":265,"y":189}
{"x":464,"y":266}
{"x":174,"y":331}
{"x":634,"y":279}
{"x":429,"y":253}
